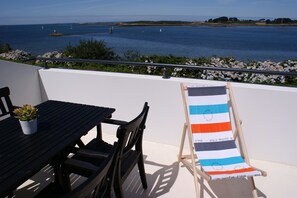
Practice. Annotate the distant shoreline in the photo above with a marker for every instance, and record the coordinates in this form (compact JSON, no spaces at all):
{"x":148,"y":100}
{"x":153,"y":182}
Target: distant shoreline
{"x":186,"y":23}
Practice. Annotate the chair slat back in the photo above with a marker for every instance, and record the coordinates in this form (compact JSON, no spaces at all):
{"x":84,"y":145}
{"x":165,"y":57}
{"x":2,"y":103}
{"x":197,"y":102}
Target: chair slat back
{"x":212,"y":136}
{"x":99,"y":183}
{"x":131,"y":133}
{"x":6,"y":106}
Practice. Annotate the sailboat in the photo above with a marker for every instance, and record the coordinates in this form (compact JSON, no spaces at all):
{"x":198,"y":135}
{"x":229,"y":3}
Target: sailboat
{"x":111,"y":30}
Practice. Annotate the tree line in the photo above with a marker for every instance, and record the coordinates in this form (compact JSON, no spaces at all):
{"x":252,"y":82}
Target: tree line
{"x":225,"y":19}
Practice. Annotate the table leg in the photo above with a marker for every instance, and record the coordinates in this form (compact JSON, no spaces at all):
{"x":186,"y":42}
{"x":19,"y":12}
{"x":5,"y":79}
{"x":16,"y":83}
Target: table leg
{"x":99,"y":131}
{"x":62,"y":178}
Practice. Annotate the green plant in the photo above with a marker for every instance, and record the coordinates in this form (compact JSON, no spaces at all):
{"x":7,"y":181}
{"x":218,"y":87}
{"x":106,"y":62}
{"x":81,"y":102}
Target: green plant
{"x":26,"y":112}
{"x":4,"y":47}
{"x":90,"y":49}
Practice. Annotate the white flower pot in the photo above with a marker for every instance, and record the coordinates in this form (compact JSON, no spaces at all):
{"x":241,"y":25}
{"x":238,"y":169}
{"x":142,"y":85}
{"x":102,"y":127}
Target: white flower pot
{"x":29,"y":127}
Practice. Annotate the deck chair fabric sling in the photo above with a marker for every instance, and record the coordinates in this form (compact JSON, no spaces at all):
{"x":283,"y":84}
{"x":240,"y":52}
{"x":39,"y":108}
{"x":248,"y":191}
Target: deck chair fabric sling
{"x":209,"y":127}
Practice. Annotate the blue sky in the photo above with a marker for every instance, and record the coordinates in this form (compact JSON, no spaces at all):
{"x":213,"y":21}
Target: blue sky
{"x":60,"y":11}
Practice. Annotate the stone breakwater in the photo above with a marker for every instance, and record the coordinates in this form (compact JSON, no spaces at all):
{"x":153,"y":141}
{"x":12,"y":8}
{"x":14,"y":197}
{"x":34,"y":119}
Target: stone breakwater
{"x":286,"y":66}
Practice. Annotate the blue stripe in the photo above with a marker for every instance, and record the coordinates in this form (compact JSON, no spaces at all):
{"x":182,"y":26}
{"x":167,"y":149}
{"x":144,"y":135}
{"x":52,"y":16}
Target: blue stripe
{"x":221,"y":162}
{"x":208,"y":109}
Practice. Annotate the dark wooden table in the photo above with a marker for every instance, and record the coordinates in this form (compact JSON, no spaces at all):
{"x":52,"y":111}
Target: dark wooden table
{"x":60,"y":124}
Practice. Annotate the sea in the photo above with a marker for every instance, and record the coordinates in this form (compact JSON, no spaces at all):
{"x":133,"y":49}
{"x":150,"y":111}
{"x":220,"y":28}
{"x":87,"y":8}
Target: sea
{"x":245,"y":43}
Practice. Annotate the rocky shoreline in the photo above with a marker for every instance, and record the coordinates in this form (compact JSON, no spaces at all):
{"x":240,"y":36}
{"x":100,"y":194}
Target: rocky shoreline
{"x":286,"y":66}
{"x":20,"y":55}
{"x":16,"y":55}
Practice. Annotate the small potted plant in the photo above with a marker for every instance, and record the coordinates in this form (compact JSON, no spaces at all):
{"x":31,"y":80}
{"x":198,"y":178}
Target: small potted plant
{"x":27,"y":115}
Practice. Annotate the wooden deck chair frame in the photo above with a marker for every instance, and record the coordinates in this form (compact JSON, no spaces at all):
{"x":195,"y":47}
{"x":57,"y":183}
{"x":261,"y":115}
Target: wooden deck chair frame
{"x":189,"y":160}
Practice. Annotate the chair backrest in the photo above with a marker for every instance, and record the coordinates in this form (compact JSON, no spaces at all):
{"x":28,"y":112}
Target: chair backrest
{"x":209,"y":121}
{"x":99,"y":184}
{"x":6,"y":106}
{"x":130,"y":134}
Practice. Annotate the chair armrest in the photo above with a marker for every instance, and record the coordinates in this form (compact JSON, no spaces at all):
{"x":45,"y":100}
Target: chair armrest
{"x":113,"y":121}
{"x":80,"y":165}
{"x":91,"y":153}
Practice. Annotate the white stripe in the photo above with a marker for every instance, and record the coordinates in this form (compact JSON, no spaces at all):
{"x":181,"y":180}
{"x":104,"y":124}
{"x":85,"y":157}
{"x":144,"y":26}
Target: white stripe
{"x":212,"y":137}
{"x":218,"y":154}
{"x":209,"y":118}
{"x":226,"y":167}
{"x":236,"y":175}
{"x":207,"y":100}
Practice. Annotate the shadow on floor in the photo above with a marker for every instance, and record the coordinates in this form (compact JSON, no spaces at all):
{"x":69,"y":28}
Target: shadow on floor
{"x":160,"y":179}
{"x":32,"y":186}
{"x":159,"y":182}
{"x":226,"y":188}
{"x":235,"y":187}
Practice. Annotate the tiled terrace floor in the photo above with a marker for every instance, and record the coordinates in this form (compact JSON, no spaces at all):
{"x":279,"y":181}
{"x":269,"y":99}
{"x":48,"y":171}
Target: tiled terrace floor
{"x":166,"y":178}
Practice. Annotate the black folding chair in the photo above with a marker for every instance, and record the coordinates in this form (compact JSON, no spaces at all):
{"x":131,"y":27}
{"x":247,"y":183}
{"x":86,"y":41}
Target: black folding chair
{"x":129,"y":136}
{"x":6,"y":106}
{"x":98,"y":184}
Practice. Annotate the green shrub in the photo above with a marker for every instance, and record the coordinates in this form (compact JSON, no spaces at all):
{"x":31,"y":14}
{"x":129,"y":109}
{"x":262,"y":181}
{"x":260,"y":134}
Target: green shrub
{"x":4,"y":47}
{"x":90,"y":49}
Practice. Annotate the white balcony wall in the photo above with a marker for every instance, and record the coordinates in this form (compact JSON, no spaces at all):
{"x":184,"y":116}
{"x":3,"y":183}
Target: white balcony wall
{"x":268,"y":112}
{"x":23,"y":82}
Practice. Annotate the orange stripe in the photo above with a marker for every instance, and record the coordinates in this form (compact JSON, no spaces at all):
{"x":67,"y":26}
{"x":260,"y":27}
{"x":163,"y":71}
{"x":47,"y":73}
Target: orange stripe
{"x":209,"y":128}
{"x":231,"y":171}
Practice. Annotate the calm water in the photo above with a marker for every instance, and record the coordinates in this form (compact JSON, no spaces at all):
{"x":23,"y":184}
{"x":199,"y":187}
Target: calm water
{"x":242,"y":43}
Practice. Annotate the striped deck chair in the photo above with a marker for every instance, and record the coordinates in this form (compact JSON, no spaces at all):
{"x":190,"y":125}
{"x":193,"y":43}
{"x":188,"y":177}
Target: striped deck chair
{"x":209,"y":128}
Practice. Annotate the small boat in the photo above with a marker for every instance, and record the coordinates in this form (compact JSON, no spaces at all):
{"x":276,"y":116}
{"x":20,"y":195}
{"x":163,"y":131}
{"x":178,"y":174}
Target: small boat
{"x":55,"y":33}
